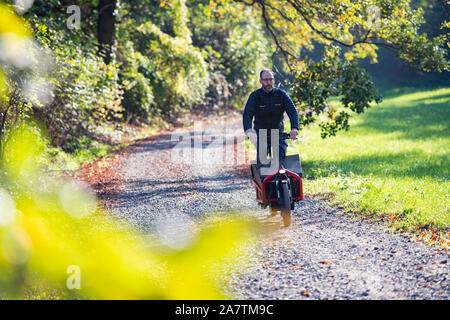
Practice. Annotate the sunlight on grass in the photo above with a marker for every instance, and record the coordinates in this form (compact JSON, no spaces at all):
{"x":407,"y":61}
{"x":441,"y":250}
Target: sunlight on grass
{"x":394,"y":159}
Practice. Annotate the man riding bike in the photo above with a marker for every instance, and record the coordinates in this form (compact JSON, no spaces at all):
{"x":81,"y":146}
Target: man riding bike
{"x":267,"y":106}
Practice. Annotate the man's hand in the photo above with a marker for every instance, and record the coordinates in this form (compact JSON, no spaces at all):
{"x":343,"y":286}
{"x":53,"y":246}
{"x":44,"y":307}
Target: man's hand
{"x":252,"y":136}
{"x":293,"y":134}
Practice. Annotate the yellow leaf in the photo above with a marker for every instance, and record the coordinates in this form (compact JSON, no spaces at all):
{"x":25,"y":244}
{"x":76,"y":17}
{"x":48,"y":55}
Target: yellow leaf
{"x":10,"y":23}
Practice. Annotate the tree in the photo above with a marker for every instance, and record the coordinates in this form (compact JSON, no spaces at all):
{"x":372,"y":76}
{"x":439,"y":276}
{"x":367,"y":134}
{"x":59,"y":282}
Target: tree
{"x":106,"y":28}
{"x":236,"y":46}
{"x":348,"y":31}
{"x":163,"y":71}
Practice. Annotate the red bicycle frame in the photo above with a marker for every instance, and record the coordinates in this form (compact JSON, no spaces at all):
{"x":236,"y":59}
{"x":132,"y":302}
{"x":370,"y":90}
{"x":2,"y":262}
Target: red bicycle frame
{"x":261,"y":191}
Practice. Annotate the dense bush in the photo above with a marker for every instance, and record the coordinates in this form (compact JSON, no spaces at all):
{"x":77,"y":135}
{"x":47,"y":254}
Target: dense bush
{"x":236,"y":49}
{"x":59,"y":79}
{"x":155,"y":71}
{"x":86,"y":91}
{"x":168,"y":57}
{"x":163,"y":71}
{"x":246,"y":54}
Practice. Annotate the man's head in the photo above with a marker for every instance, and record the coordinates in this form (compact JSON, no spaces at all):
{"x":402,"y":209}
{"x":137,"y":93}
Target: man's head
{"x":267,"y":80}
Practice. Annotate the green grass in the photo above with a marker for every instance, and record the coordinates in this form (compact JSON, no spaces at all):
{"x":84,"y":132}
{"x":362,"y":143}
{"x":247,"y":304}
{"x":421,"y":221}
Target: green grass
{"x":393,"y":162}
{"x":83,"y":150}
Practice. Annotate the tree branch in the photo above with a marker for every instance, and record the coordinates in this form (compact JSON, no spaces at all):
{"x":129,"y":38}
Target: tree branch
{"x":300,"y":10}
{"x":285,"y":53}
{"x":299,"y":7}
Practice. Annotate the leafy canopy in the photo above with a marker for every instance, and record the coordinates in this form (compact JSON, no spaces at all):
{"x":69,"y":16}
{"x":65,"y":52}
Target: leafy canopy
{"x":348,"y":30}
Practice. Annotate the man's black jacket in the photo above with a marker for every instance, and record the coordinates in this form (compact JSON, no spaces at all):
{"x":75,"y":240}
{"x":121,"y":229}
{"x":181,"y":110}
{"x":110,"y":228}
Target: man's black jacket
{"x":268,"y":110}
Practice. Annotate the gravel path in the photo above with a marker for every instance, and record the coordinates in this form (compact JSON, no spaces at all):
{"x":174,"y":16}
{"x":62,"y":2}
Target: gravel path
{"x":324,"y":254}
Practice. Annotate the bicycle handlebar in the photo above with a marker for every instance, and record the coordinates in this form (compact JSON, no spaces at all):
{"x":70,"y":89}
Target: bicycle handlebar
{"x":284,"y":136}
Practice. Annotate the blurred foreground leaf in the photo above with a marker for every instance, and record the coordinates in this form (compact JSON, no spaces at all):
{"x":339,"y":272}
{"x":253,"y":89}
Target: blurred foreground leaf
{"x":55,"y":228}
{"x":11,"y":24}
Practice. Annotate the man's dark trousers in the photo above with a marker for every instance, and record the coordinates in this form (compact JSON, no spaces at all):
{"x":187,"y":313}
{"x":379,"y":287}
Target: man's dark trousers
{"x":282,"y":147}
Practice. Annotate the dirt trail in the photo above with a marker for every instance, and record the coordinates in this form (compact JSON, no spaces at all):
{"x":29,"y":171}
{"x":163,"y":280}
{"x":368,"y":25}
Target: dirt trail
{"x":324,"y":254}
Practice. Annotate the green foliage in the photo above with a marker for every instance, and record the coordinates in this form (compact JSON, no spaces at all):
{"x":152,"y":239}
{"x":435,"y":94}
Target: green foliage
{"x":172,"y":56}
{"x":86,"y":90}
{"x":246,"y":53}
{"x":236,"y":48}
{"x":358,"y":28}
{"x":14,"y":36}
{"x":181,"y":71}
{"x":138,"y":92}
{"x":58,"y":78}
{"x":158,"y":70}
{"x":13,"y":109}
{"x":161,"y":67}
{"x":331,"y":76}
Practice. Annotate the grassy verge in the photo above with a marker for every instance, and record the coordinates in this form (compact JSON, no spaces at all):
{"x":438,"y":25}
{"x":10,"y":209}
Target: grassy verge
{"x":84,"y":149}
{"x":392,"y":165}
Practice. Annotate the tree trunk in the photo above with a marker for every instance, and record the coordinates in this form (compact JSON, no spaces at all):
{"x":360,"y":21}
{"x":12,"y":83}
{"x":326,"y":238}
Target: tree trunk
{"x":106,"y":28}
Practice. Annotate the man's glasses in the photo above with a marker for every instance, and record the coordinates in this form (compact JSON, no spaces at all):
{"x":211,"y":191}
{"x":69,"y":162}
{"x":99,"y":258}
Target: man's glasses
{"x":268,"y":79}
